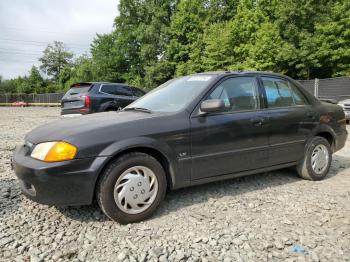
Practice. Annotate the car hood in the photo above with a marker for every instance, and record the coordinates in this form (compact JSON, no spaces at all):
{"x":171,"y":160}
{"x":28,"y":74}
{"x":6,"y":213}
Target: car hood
{"x":347,"y":101}
{"x":68,"y":128}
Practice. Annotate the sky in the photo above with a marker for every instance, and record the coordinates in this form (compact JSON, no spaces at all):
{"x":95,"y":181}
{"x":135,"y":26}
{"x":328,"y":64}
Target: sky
{"x":28,"y":26}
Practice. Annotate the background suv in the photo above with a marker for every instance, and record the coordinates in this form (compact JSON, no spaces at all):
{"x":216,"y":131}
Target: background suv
{"x":86,"y":98}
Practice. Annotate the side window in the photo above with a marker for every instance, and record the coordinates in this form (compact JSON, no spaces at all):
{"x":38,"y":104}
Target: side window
{"x":238,"y":93}
{"x":137,"y":92}
{"x":299,"y":98}
{"x":278,"y":92}
{"x":108,"y":89}
{"x":123,"y":91}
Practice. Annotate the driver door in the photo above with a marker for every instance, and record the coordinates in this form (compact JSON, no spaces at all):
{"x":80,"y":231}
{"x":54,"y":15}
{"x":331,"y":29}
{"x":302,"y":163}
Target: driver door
{"x":234,"y":140}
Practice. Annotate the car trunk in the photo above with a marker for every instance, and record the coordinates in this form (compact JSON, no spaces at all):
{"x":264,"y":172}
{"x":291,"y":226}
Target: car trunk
{"x":75,"y":97}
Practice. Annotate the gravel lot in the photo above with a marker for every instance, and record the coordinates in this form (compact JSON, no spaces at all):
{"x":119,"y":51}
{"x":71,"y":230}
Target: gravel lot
{"x":268,"y":217}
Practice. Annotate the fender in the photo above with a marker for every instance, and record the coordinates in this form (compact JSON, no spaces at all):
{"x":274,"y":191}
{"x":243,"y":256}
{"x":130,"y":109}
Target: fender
{"x":323,"y":128}
{"x":147,"y":142}
{"x":107,"y":104}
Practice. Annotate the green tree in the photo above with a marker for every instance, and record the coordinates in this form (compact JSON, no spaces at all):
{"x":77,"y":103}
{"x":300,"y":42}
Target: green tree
{"x":333,"y":41}
{"x":231,"y":44}
{"x":263,"y":57}
{"x":152,"y":34}
{"x":55,"y":58}
{"x":153,"y":41}
{"x":220,"y":10}
{"x":296,"y":22}
{"x":7,"y":87}
{"x":218,"y":52}
{"x":36,"y":83}
{"x":83,"y":70}
{"x":185,"y":47}
{"x":23,"y":86}
{"x":110,"y":61}
{"x":140,"y":39}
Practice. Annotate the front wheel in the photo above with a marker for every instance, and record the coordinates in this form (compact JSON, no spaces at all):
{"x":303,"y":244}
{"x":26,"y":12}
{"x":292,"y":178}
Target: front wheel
{"x":131,"y":188}
{"x":317,"y":160}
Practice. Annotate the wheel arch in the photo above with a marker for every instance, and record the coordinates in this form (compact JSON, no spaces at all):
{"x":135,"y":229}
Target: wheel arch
{"x":329,"y":137}
{"x":327,"y":133}
{"x":158,"y":154}
{"x":108,"y":105}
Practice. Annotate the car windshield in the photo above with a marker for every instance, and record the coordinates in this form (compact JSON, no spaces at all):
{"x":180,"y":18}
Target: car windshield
{"x":173,"y":95}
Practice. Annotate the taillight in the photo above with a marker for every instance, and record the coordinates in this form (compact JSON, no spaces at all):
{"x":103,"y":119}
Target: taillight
{"x":87,"y":101}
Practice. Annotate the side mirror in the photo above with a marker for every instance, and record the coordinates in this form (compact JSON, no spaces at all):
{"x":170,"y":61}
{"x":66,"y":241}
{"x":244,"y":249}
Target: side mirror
{"x":212,"y":105}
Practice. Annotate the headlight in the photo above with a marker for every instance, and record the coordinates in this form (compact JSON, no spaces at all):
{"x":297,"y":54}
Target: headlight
{"x":54,"y":151}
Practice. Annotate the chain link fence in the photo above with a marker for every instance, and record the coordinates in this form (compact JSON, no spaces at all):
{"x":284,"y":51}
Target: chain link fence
{"x":49,"y":98}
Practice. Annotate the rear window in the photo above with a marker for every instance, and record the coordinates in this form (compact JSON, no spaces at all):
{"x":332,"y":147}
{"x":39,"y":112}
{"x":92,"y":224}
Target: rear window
{"x":119,"y":90}
{"x":123,"y":91}
{"x":78,"y":90}
{"x":108,"y":89}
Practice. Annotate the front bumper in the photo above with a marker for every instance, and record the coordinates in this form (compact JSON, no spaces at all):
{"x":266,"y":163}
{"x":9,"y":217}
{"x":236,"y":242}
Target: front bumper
{"x":61,"y":183}
{"x":341,"y":140}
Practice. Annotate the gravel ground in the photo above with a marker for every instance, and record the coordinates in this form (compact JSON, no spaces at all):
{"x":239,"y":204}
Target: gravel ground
{"x":269,"y":217}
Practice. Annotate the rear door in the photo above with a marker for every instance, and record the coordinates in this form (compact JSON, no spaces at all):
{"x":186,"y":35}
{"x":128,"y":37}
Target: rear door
{"x":291,"y":120}
{"x":116,"y":96}
{"x":137,"y":92}
{"x":74,"y":99}
{"x":107,"y":98}
{"x":124,"y":95}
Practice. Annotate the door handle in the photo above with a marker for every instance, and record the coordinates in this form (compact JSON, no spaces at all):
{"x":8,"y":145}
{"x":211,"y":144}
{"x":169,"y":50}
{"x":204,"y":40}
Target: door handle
{"x":257,"y":121}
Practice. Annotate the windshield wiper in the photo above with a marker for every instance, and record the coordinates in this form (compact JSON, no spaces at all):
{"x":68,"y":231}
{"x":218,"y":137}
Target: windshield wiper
{"x":141,"y":109}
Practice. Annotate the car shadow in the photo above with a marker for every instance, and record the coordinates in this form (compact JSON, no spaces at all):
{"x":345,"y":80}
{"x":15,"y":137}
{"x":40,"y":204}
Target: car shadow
{"x":185,"y":197}
{"x":182,"y":198}
{"x":10,"y":196}
{"x":339,"y":164}
{"x":240,"y":186}
{"x":90,"y":213}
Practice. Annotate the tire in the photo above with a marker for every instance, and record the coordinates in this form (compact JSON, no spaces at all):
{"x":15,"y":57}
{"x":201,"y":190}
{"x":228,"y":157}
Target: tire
{"x":110,"y":109}
{"x":133,"y":168}
{"x":305,"y":168}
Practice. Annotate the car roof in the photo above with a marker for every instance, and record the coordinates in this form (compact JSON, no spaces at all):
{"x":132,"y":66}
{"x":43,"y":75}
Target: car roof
{"x":93,"y":83}
{"x":220,"y":73}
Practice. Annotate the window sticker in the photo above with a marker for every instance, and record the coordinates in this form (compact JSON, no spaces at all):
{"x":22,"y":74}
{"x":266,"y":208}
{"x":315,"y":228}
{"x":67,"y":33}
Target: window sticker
{"x":199,"y":78}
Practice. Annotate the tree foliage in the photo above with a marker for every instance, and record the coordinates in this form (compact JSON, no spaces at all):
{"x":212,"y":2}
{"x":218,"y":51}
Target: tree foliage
{"x":55,"y":58}
{"x":155,"y":40}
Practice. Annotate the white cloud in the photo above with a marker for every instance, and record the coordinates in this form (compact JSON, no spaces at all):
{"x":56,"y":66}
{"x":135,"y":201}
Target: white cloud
{"x":26,"y":27}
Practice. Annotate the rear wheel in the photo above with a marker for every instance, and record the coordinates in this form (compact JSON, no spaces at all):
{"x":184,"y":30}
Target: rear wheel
{"x":111,"y":109}
{"x":317,"y":160}
{"x":131,"y":188}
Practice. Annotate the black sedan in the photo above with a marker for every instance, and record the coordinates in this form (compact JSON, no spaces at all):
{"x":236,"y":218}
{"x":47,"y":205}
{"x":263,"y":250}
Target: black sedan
{"x":191,"y":130}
